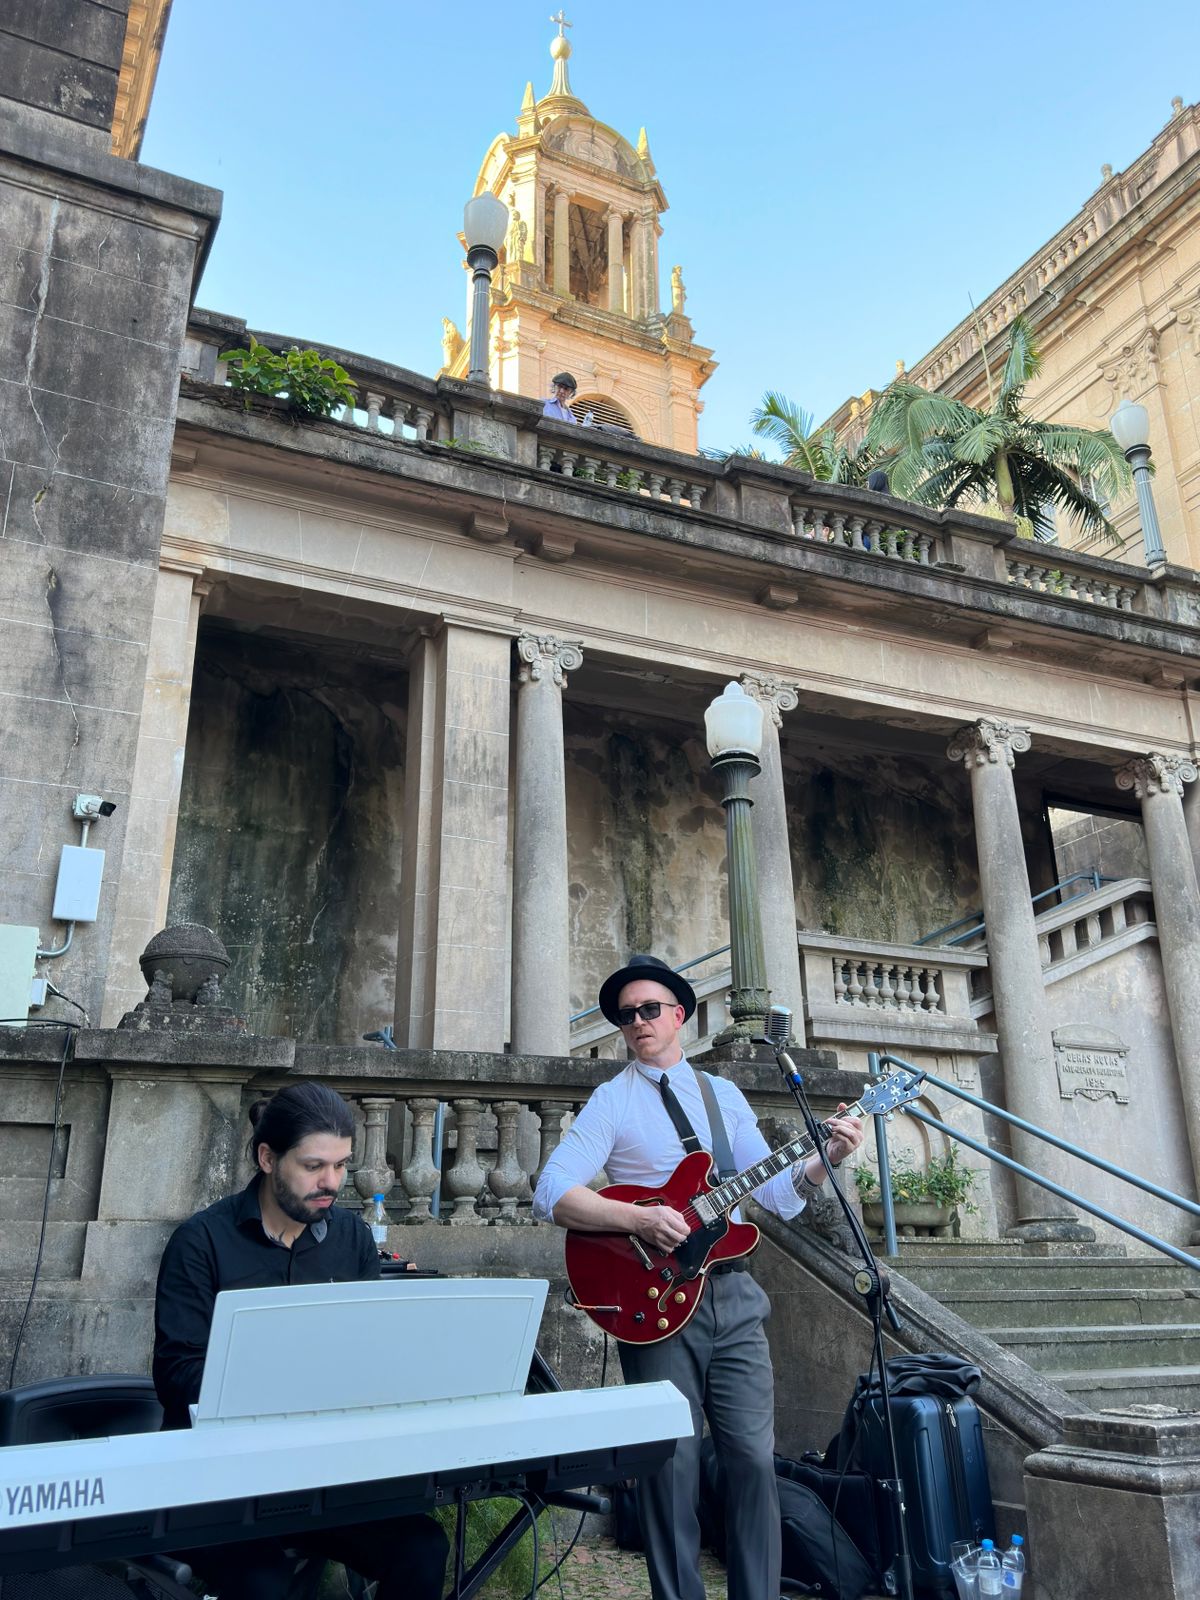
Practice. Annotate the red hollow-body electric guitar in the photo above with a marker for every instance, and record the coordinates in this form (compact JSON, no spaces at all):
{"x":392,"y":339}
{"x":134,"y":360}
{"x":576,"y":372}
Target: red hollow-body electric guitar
{"x":641,"y":1295}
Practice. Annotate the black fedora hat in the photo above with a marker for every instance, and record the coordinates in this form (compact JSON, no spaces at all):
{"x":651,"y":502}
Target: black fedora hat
{"x":657,"y":972}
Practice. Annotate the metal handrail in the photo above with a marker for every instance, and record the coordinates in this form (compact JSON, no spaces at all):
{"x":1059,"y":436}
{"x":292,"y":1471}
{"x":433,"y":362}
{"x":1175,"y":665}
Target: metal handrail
{"x":593,"y":1011}
{"x":877,"y":1062}
{"x":979,"y":925}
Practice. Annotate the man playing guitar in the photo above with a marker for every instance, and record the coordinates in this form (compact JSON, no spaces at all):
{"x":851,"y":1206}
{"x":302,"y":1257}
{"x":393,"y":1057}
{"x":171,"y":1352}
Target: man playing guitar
{"x":631,"y":1128}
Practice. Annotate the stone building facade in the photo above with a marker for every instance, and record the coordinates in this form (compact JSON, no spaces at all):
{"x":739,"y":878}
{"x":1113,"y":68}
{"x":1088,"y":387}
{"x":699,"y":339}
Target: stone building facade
{"x":1114,"y":300}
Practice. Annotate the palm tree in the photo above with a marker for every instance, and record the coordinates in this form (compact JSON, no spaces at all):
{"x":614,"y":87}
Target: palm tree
{"x":792,"y":431}
{"x":941,"y":452}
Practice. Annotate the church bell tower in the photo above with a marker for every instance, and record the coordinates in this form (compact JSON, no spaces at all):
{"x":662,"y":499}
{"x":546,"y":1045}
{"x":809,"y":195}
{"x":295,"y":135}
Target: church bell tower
{"x":577,"y":287}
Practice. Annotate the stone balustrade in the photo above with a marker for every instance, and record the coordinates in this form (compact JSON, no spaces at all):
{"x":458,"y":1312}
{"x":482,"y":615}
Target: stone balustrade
{"x":859,"y":992}
{"x":877,"y":536}
{"x":1087,"y":928}
{"x":1066,"y":577}
{"x":796,"y":526}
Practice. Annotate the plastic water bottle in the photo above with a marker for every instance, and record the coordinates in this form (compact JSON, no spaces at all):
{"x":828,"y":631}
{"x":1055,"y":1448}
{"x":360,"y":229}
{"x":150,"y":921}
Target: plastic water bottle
{"x":988,"y":1574}
{"x":1013,"y":1565}
{"x":379,"y":1222}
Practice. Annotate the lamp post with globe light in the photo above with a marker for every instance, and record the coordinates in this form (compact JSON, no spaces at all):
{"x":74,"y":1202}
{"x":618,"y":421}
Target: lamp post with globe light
{"x":1130,"y":427}
{"x":485,"y":223}
{"x":733,"y":724}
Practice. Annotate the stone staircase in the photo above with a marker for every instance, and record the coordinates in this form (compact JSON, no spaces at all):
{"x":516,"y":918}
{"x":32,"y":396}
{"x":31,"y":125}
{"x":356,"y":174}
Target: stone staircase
{"x":1110,"y":1330}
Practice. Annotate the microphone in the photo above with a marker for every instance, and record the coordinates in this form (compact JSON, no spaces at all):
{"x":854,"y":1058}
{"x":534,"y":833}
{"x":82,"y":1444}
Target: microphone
{"x":779,"y":1027}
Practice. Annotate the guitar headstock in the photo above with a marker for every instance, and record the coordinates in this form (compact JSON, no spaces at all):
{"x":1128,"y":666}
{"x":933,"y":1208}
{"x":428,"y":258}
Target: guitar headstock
{"x":897,"y":1088}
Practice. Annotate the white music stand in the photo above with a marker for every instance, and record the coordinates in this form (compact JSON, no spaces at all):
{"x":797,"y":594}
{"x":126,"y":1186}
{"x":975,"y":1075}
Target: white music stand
{"x":334,"y":1347}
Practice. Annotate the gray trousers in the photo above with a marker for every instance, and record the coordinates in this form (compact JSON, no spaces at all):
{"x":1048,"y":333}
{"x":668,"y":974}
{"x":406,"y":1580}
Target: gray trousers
{"x":720,"y":1363}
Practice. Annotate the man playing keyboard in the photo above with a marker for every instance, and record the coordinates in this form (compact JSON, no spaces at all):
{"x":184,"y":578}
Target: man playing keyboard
{"x":283,"y":1228}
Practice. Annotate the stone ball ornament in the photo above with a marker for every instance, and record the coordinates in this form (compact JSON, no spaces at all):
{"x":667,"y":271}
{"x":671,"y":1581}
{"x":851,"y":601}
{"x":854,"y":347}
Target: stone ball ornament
{"x":189,"y":955}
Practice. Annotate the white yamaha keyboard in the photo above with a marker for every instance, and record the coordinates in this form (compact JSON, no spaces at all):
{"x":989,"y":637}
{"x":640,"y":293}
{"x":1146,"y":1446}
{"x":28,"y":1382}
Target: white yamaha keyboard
{"x":234,"y":1475}
{"x":138,"y":1493}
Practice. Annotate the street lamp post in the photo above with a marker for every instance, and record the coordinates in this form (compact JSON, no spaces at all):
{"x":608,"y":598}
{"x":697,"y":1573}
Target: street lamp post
{"x":734,"y":727}
{"x":1130,"y":426}
{"x":485,"y":223}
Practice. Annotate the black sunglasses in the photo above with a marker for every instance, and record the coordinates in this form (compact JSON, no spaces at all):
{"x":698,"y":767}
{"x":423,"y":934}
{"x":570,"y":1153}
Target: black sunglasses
{"x":648,"y":1011}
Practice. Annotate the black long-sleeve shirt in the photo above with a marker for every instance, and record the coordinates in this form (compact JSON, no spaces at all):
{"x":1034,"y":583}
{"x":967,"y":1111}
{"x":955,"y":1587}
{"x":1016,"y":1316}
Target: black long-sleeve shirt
{"x":226,"y":1247}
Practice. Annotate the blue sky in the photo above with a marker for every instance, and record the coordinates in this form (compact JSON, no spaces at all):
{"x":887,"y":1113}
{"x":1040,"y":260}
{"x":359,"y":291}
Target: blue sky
{"x":841,"y":178}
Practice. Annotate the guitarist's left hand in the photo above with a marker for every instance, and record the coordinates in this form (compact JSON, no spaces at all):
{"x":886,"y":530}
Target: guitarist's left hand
{"x":845,"y":1135}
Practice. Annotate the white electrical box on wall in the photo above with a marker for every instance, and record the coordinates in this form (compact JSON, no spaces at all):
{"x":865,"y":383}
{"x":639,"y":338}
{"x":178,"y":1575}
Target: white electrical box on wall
{"x":77,"y":894}
{"x":18,"y":951}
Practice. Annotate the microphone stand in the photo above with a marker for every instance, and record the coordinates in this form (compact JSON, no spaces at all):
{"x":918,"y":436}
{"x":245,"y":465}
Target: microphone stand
{"x":872,"y":1283}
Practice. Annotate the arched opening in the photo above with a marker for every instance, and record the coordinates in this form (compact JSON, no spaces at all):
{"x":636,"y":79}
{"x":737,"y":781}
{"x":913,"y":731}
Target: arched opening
{"x":603,"y":410}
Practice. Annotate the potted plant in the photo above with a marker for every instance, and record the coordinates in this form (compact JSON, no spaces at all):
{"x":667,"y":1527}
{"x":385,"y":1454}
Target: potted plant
{"x":924,"y":1201}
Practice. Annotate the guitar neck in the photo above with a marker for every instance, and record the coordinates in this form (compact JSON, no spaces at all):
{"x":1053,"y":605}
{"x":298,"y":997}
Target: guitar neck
{"x":726,"y":1195}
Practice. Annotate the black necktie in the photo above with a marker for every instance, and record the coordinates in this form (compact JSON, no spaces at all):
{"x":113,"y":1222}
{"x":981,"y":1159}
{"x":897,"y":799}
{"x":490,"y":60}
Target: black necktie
{"x":678,"y":1116}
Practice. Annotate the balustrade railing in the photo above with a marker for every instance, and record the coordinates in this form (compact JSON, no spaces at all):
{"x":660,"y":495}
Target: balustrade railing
{"x":1063,"y":578}
{"x":593,"y":456}
{"x":876,"y":536}
{"x":887,"y":985}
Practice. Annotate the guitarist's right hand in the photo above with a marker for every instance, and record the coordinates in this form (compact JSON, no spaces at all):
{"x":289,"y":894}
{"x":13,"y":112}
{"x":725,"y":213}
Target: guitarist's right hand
{"x":659,"y":1226}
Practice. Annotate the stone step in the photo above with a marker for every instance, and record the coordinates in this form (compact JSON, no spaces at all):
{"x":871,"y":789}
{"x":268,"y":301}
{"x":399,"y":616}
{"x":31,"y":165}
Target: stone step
{"x":1119,"y":1387}
{"x":1074,"y":1308}
{"x":967,"y":1273}
{"x":1055,"y":1350}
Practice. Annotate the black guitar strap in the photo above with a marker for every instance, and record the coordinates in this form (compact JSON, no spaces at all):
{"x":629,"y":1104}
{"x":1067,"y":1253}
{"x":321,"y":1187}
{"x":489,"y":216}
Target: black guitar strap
{"x":716,"y":1124}
{"x":722,"y":1153}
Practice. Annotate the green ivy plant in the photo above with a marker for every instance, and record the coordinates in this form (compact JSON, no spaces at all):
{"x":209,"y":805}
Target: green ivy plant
{"x":944,"y":1182}
{"x":312,"y":384}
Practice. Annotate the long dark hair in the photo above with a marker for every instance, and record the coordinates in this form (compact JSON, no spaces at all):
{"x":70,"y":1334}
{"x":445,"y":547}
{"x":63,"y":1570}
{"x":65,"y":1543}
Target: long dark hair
{"x":295,"y":1111}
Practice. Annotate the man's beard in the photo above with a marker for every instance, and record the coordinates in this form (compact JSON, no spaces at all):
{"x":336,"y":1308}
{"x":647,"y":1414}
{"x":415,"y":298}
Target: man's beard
{"x":296,"y":1206}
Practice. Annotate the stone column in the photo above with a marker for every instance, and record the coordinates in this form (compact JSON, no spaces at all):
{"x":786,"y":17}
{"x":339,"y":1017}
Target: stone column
{"x":1191,"y":816}
{"x":987,"y":749}
{"x":776,"y":893}
{"x":453,"y":945}
{"x":639,"y":298}
{"x":541,"y":966}
{"x":616,"y":261}
{"x":145,"y":874}
{"x":562,"y":243}
{"x":1157,"y":781}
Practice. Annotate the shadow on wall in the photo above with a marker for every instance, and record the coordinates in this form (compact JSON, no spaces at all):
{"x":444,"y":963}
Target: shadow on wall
{"x":289,"y":837}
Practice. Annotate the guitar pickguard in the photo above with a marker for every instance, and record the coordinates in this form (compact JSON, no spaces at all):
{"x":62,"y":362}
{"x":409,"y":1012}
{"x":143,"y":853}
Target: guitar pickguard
{"x":693,"y":1252}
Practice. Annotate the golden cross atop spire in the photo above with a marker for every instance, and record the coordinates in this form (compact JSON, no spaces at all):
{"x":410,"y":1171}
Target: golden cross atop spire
{"x":562,"y":23}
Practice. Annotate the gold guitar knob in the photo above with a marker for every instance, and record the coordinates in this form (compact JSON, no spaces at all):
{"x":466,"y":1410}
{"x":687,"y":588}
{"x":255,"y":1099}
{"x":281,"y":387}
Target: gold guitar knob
{"x":663,"y":1323}
{"x":680,"y":1296}
{"x":653,"y":1293}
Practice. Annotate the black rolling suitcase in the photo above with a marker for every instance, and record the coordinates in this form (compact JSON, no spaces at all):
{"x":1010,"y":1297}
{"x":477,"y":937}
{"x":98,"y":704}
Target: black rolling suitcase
{"x":939,"y":1446}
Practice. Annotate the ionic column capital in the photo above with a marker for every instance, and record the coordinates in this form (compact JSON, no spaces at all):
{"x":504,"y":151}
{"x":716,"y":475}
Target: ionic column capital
{"x":542,"y":654}
{"x":988,"y":742}
{"x":774,"y":695}
{"x":1155,"y":773}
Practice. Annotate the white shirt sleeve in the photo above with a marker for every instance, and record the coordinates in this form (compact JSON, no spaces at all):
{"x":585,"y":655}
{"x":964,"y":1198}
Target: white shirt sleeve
{"x":581,"y":1153}
{"x":778,"y":1194}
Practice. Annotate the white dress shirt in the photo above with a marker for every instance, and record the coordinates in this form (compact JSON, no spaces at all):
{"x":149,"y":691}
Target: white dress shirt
{"x":560,"y":413}
{"x":625,"y":1131}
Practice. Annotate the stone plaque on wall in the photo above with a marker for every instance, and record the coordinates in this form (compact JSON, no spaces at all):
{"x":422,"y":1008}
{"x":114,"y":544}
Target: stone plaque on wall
{"x":1091,"y":1062}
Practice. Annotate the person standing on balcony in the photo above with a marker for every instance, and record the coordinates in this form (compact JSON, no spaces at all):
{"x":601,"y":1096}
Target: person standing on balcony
{"x":632,"y":1128}
{"x":282,"y":1228}
{"x":559,"y":404}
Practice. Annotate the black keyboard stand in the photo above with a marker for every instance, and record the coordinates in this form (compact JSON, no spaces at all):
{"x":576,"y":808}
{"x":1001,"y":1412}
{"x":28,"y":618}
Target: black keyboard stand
{"x":469,"y":1580}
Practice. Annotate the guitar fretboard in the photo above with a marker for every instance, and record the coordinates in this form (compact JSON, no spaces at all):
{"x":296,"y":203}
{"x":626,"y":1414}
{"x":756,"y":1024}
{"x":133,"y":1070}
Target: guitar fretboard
{"x":726,"y":1195}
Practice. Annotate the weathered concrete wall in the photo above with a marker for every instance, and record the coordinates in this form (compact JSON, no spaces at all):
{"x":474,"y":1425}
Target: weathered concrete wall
{"x":882,"y":848}
{"x":97,"y":258}
{"x":1112,"y":846}
{"x":290,"y":825}
{"x":63,"y":58}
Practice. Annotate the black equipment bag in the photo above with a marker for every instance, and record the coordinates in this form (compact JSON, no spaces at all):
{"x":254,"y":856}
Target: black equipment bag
{"x":819,"y":1556}
{"x":861,"y":1505}
{"x":939,"y":1448}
